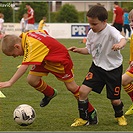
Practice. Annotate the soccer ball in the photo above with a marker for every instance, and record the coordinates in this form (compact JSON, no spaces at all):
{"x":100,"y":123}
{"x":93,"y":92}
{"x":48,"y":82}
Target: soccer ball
{"x":24,"y":115}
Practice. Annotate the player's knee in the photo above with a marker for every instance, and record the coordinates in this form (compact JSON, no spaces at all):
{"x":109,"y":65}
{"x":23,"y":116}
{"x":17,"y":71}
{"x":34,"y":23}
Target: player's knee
{"x":116,"y":102}
{"x":125,"y":80}
{"x":72,"y":86}
{"x":32,"y":81}
{"x":124,"y":83}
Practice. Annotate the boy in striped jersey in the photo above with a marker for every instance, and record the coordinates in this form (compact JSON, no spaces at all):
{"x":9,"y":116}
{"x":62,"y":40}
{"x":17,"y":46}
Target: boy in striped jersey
{"x":46,"y":55}
{"x":127,"y":77}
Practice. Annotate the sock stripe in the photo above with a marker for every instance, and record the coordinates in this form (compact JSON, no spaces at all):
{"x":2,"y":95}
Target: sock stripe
{"x":41,"y":86}
{"x":128,"y":88}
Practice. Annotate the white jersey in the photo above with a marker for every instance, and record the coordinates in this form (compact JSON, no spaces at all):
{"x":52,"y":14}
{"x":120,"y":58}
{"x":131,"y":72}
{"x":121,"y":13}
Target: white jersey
{"x":23,"y":23}
{"x":1,"y":23}
{"x":100,"y":46}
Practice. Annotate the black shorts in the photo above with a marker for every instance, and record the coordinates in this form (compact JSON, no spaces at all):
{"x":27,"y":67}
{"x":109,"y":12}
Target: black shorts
{"x":97,"y":78}
{"x":118,"y":26}
{"x":126,"y":26}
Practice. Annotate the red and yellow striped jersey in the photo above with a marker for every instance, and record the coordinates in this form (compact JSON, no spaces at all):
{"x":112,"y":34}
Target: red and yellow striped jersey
{"x":131,"y":48}
{"x":38,"y":46}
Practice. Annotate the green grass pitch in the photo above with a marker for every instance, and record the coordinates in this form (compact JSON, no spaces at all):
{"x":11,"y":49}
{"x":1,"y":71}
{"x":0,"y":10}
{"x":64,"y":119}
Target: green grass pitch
{"x":62,"y":110}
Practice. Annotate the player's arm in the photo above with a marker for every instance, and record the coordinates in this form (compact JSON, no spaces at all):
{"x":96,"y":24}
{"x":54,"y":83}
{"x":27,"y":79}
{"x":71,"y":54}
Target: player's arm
{"x":78,"y":50}
{"x":22,"y":69}
{"x":119,"y":45}
{"x":113,"y":20}
{"x":29,"y":17}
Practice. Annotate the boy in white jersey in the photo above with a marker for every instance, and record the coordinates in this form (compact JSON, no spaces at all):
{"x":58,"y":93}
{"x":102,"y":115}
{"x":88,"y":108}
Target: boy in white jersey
{"x":103,"y":43}
{"x":127,"y":77}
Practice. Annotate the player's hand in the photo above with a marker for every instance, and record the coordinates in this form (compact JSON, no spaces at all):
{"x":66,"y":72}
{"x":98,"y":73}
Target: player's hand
{"x":73,"y":48}
{"x":116,"y":47}
{"x":5,"y":84}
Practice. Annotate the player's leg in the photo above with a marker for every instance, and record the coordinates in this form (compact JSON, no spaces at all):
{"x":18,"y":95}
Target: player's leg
{"x":29,"y":27}
{"x":113,"y":85}
{"x":83,"y":110}
{"x":87,"y":113}
{"x":91,"y":82}
{"x":124,"y":27}
{"x":118,"y":109}
{"x":127,"y":79}
{"x":74,"y":88}
{"x":129,"y":30}
{"x":35,"y":80}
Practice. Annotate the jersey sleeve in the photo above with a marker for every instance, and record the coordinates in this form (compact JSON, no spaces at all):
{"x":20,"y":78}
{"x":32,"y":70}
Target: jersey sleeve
{"x":34,"y":52}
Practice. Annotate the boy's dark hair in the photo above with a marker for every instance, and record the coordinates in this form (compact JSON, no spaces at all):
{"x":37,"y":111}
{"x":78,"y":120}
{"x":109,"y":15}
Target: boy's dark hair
{"x":28,"y":3}
{"x":125,"y":10}
{"x":99,"y":12}
{"x":116,"y":3}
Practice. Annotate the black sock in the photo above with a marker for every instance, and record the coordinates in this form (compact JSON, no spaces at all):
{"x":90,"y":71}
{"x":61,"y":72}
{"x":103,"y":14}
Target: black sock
{"x":83,"y":109}
{"x":118,"y":110}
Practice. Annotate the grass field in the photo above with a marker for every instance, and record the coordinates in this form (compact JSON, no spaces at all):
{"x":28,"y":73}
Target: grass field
{"x":62,"y":110}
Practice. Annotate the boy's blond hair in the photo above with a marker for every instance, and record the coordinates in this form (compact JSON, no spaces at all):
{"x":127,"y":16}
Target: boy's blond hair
{"x":8,"y":42}
{"x":25,"y":15}
{"x":131,"y":14}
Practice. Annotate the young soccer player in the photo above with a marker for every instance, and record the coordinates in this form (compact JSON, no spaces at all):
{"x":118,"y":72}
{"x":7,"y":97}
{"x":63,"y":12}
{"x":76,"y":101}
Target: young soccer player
{"x":42,"y":23}
{"x":103,"y":43}
{"x":23,"y":22}
{"x":117,"y":20}
{"x":31,"y":17}
{"x":2,"y":31}
{"x":127,"y":77}
{"x":126,"y":25}
{"x":47,"y":55}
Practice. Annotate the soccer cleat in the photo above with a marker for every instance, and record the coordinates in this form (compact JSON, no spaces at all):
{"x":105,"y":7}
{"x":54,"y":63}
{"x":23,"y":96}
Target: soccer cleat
{"x":129,"y":38}
{"x":93,"y":119}
{"x":47,"y":99}
{"x":122,"y":121}
{"x":79,"y":122}
{"x":130,"y":110}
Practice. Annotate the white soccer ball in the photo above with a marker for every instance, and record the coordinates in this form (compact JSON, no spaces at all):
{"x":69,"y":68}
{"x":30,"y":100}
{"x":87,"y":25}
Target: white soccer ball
{"x":24,"y":115}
